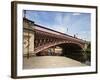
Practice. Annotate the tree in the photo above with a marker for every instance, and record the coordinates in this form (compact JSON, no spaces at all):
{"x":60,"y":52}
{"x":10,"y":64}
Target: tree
{"x":87,"y":51}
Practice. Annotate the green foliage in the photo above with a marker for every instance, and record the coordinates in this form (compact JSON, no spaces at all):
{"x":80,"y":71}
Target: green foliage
{"x":87,"y":51}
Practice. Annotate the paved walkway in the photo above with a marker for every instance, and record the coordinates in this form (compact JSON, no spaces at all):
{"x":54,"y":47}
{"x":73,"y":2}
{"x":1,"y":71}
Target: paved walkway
{"x":49,"y":62}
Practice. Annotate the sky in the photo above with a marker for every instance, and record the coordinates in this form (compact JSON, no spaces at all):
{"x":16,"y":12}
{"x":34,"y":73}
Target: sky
{"x":71,"y":23}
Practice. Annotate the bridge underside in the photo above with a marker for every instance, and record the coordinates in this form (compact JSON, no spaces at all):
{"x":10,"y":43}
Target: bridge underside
{"x":73,"y":51}
{"x":66,"y":49}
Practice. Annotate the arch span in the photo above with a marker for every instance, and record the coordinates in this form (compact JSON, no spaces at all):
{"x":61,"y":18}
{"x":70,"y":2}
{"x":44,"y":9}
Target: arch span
{"x":51,"y":44}
{"x":71,"y":50}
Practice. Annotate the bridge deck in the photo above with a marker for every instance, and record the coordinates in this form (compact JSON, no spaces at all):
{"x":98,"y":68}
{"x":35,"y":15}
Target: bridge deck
{"x":50,"y":62}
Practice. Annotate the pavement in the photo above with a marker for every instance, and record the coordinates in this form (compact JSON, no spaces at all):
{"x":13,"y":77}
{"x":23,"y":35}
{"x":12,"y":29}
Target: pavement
{"x":50,"y":62}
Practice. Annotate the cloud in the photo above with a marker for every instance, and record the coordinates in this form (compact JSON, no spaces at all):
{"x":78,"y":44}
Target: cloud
{"x":61,"y":29}
{"x":58,"y":18}
{"x":76,"y":14}
{"x":69,"y":22}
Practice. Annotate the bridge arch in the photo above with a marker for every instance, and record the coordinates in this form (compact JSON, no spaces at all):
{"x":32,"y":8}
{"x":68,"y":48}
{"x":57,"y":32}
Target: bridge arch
{"x":69,"y":49}
{"x":57,"y":43}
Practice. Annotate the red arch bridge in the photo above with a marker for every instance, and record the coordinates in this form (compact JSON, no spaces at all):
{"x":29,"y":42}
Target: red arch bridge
{"x":39,"y":40}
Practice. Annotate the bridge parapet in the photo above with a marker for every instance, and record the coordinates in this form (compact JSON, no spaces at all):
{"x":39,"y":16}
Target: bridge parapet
{"x":50,"y":31}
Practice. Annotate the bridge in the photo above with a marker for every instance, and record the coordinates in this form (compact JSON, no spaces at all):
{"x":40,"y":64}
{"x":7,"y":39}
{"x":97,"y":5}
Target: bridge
{"x":38,"y":40}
